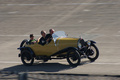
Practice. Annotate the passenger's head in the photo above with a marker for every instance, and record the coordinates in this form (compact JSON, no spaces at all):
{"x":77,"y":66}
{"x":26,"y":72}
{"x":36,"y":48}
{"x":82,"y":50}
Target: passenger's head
{"x":31,"y":37}
{"x":51,"y":31}
{"x":43,"y":33}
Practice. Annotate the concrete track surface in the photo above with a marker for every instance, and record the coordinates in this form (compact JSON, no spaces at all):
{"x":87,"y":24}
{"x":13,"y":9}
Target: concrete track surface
{"x":98,"y":20}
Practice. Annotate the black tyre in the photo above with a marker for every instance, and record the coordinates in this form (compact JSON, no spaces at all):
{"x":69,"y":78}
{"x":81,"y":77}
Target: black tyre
{"x":93,"y":53}
{"x":27,"y":58}
{"x":73,"y":58}
{"x":23,"y":43}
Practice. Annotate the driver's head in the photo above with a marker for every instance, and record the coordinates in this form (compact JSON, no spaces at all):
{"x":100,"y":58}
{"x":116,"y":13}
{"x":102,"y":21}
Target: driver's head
{"x":43,"y":33}
{"x":51,"y":31}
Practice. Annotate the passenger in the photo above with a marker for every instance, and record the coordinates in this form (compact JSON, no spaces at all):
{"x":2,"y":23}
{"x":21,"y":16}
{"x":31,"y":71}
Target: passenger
{"x":42,"y":40}
{"x":49,"y":36}
{"x":32,"y":40}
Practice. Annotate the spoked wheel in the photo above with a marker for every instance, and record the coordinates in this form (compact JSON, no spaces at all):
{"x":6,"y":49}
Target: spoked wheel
{"x":73,"y":58}
{"x":27,"y":58}
{"x":93,"y":53}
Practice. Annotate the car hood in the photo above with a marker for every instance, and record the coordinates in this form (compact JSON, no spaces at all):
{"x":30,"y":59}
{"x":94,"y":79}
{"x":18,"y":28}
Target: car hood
{"x":68,"y":39}
{"x":66,"y":42}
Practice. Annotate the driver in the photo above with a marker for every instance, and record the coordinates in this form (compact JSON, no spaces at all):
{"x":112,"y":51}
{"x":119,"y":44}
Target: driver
{"x":42,"y":40}
{"x":49,"y":36}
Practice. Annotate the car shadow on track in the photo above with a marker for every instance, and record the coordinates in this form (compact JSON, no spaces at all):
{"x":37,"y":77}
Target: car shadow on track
{"x":44,"y":67}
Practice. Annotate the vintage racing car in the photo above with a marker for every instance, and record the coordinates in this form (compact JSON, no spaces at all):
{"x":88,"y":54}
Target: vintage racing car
{"x":61,"y":47}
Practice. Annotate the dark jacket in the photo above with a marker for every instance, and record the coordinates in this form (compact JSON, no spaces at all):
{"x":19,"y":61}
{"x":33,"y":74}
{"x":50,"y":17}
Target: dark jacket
{"x":42,"y":41}
{"x":48,"y":36}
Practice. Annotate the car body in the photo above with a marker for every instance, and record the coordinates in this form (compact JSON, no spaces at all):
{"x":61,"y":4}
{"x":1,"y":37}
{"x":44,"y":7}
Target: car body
{"x":53,"y":47}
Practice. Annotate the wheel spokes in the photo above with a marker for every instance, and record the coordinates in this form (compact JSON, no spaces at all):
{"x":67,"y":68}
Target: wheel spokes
{"x":92,"y":52}
{"x":73,"y":58}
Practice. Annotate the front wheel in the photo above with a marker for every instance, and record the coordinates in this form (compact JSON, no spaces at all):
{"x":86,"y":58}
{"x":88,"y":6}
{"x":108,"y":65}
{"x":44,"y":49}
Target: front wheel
{"x":26,"y":58}
{"x":92,"y":53}
{"x":73,"y":58}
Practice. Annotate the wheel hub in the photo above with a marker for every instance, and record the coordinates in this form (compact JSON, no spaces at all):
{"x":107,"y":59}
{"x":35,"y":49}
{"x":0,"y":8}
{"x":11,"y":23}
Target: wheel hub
{"x":90,"y":52}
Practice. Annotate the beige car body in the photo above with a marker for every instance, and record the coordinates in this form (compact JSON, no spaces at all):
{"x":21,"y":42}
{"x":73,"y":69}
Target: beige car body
{"x":53,"y":46}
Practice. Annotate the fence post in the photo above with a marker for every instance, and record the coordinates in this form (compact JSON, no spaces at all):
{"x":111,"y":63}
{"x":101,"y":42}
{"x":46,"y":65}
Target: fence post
{"x":22,"y":76}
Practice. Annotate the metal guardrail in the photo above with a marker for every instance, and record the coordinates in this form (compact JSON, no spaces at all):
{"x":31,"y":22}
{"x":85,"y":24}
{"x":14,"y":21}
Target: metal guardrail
{"x":54,"y":76}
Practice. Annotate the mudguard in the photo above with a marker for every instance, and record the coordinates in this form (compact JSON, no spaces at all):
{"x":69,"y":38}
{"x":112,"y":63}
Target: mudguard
{"x":93,"y":42}
{"x":28,"y":48}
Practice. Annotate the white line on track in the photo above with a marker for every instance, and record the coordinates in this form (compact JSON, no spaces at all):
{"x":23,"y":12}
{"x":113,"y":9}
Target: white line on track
{"x":60,"y":4}
{"x":89,"y":31}
{"x":36,"y":15}
{"x":16,"y":35}
{"x":15,"y":62}
{"x":11,"y":62}
{"x":107,"y":63}
{"x":13,"y":12}
{"x":86,"y":33}
{"x":98,"y":63}
{"x":87,"y":3}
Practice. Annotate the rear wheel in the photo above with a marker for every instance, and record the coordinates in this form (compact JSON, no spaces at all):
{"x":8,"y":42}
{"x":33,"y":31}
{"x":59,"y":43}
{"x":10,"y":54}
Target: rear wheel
{"x":93,"y":53}
{"x":73,"y":58}
{"x":27,"y":58}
